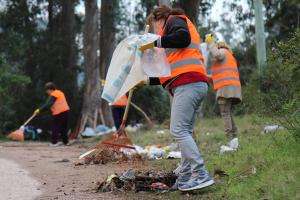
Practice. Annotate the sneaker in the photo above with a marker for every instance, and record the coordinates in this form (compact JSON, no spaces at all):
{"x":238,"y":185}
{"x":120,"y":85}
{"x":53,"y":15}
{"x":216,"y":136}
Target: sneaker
{"x":56,"y":144}
{"x":195,"y":184}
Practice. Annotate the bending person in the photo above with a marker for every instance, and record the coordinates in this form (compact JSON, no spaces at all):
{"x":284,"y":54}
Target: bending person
{"x":60,"y":112}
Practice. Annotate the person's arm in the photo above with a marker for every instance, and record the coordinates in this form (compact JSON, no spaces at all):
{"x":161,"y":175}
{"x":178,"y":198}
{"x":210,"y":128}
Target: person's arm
{"x":177,"y":34}
{"x":50,"y":101}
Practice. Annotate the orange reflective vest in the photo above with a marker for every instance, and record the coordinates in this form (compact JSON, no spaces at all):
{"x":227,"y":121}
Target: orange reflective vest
{"x":60,"y":105}
{"x":121,"y":102}
{"x":225,"y":73}
{"x":183,"y":60}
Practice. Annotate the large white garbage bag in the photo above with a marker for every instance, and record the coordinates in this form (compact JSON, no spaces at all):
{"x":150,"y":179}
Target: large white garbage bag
{"x":128,"y":68}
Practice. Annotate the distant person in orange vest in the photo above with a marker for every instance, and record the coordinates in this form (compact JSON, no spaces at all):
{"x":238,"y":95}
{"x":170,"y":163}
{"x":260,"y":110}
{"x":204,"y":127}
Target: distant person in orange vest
{"x":226,"y":83}
{"x":118,"y":109}
{"x":188,"y":86}
{"x":60,"y":112}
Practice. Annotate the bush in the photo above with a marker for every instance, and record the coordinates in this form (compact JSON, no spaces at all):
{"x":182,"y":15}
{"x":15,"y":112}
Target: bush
{"x":11,"y":84}
{"x":154,"y":101}
{"x":276,"y":92}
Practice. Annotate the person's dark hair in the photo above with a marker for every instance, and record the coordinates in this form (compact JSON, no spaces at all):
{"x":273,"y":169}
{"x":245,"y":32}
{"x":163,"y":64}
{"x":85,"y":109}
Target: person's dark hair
{"x":50,"y":86}
{"x":163,"y":12}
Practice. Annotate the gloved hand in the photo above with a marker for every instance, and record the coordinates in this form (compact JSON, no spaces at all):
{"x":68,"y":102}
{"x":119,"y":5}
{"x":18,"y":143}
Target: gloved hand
{"x":36,"y":112}
{"x":146,"y":46}
{"x":209,"y":38}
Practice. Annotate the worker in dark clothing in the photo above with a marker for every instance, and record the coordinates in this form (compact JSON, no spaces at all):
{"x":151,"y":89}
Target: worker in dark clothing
{"x":60,"y":111}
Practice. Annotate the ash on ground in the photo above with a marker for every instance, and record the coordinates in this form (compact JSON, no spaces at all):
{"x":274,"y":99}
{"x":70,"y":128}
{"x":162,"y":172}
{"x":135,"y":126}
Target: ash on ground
{"x":138,"y":181}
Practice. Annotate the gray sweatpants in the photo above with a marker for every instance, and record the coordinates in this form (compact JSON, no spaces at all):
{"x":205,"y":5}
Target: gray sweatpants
{"x":185,"y":104}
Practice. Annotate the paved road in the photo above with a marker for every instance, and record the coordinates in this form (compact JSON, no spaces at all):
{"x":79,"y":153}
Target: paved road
{"x":15,"y":182}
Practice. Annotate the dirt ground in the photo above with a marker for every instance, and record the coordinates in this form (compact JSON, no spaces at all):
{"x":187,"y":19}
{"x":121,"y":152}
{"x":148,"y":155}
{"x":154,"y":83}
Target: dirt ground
{"x":54,"y":169}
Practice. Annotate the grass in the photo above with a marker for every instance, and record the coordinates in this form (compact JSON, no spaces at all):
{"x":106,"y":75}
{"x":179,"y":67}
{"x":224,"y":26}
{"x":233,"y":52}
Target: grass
{"x":265,"y":167}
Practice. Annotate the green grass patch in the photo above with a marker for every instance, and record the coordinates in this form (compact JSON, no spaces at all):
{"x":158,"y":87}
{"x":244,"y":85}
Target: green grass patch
{"x":266,"y":166}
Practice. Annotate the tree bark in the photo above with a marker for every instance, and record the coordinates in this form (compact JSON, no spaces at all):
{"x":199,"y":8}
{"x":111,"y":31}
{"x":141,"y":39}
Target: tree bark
{"x":164,"y":2}
{"x":68,"y":51}
{"x":91,"y":98}
{"x":191,"y":8}
{"x":109,"y":9}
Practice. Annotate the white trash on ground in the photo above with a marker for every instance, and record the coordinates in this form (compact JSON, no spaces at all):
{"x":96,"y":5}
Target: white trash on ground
{"x":272,"y":128}
{"x":174,"y":155}
{"x":233,"y":145}
{"x":127,"y":69}
{"x":88,"y":132}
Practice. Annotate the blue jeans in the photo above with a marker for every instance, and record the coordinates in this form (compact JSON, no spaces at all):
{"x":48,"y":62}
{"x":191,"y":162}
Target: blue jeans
{"x":185,"y":105}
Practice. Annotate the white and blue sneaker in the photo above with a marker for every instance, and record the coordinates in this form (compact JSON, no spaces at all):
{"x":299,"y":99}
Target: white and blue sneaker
{"x":195,"y":184}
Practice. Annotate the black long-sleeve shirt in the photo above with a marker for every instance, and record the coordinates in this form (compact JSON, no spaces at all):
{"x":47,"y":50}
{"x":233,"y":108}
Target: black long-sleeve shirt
{"x":176,"y":35}
{"x":49,"y":102}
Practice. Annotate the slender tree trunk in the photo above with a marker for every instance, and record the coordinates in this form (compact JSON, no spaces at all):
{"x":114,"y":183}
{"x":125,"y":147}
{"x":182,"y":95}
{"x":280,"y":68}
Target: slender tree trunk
{"x":91,"y":100}
{"x":191,"y":8}
{"x":109,"y":9}
{"x":68,"y":55}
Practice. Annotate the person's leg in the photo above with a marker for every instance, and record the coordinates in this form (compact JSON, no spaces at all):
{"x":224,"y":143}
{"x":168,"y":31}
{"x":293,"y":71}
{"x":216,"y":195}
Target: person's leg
{"x":64,"y":127}
{"x":186,"y":101}
{"x":55,"y":130}
{"x":117,"y":115}
{"x":225,"y":110}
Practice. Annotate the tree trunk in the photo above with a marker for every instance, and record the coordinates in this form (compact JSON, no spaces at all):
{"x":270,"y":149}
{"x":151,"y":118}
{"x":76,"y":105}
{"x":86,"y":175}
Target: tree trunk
{"x":164,"y":2}
{"x":191,"y":9}
{"x":109,"y":9}
{"x":68,"y":55}
{"x":91,"y":98}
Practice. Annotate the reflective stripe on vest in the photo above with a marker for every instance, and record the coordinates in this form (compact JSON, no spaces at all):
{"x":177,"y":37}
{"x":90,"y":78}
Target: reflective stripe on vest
{"x":183,"y":60}
{"x":189,"y":61}
{"x":225,"y":73}
{"x":172,"y":50}
{"x":60,"y":105}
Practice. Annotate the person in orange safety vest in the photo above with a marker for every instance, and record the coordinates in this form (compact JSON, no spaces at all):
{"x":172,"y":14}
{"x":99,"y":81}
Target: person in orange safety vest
{"x":188,"y":86}
{"x":226,"y":83}
{"x":60,"y":113}
{"x":118,"y":109}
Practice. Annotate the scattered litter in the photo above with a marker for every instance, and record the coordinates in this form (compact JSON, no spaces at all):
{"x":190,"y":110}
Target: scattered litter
{"x":88,"y":132}
{"x":272,"y":128}
{"x":133,"y":128}
{"x":98,"y":131}
{"x":138,"y":181}
{"x":159,"y":186}
{"x":234,"y":143}
{"x":174,"y":155}
{"x":103,"y":130}
{"x":155,"y":152}
{"x":224,"y":149}
{"x":161,"y":132}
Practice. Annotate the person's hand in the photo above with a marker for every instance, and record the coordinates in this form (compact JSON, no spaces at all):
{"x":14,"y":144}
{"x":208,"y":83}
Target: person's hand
{"x":209,"y":38}
{"x":146,"y":46}
{"x":36,"y":112}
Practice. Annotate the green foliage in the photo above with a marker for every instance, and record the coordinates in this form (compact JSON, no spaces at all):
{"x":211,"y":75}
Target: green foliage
{"x":12,"y":81}
{"x":276,"y":92}
{"x":154,"y":101}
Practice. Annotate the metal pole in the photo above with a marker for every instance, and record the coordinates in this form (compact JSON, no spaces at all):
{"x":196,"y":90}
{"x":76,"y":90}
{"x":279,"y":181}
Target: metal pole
{"x":260,"y":35}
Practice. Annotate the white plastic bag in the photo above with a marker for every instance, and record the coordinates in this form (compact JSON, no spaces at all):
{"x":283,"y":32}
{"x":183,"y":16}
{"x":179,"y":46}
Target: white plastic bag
{"x":127,"y":68}
{"x":155,"y":64}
